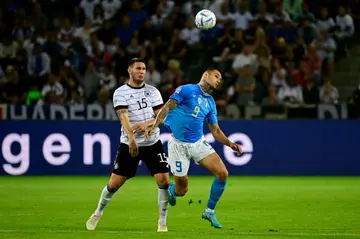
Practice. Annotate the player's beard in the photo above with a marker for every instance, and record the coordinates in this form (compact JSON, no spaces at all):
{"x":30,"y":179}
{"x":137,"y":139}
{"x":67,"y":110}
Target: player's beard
{"x":207,"y":87}
{"x":137,"y":81}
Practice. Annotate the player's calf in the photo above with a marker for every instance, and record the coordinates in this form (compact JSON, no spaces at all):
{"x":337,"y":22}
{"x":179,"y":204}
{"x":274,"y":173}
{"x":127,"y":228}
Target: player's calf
{"x":163,"y":207}
{"x":105,"y":198}
{"x":216,"y":191}
{"x":179,"y":188}
{"x":215,"y":165}
{"x":115,"y":182}
{"x":218,"y":186}
{"x":181,"y":185}
{"x":162,"y":180}
{"x":180,"y":191}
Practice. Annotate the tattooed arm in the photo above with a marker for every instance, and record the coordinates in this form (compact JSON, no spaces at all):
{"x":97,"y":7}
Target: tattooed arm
{"x":140,"y":128}
{"x":171,"y":104}
{"x":151,"y":122}
{"x":124,"y":118}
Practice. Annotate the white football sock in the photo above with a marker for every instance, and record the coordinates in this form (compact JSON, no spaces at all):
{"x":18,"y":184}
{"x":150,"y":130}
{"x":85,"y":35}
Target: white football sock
{"x":104,"y":200}
{"x":163,"y":205}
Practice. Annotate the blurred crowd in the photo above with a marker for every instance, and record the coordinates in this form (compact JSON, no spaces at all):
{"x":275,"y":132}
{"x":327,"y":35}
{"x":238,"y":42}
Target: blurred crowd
{"x":282,"y":53}
{"x":74,"y":52}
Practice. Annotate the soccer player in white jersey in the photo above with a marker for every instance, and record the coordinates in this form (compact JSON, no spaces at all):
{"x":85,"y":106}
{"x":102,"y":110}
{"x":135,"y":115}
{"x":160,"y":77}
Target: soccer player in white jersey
{"x":185,"y":113}
{"x":137,"y":105}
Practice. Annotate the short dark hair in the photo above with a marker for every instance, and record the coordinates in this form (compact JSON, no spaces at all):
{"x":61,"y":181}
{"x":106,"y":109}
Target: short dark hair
{"x":209,"y":69}
{"x":133,"y":60}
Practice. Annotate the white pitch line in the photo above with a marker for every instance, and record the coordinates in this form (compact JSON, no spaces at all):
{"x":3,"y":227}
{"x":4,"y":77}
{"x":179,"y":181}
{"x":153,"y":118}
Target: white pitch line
{"x":232,"y":232}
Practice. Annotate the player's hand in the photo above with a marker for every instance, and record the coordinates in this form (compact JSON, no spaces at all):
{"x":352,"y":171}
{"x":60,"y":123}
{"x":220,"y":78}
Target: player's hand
{"x":149,"y":131}
{"x":139,"y":128}
{"x":133,"y":148}
{"x":237,"y":148}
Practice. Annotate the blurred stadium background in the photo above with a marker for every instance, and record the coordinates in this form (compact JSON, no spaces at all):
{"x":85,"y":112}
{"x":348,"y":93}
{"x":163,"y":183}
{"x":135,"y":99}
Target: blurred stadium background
{"x":290,"y":96}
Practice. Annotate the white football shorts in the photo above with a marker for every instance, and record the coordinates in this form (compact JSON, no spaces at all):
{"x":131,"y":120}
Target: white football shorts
{"x":180,"y":154}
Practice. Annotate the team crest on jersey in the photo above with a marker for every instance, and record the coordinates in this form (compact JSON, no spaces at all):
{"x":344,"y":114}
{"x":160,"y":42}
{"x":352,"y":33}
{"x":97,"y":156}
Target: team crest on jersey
{"x":206,"y":103}
{"x":147,"y":93}
{"x":199,"y":100}
{"x":178,"y":90}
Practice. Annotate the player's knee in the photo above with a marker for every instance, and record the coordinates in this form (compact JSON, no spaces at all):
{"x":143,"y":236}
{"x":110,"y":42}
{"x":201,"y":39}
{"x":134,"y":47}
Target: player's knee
{"x":222,"y":174}
{"x":115,"y":183}
{"x":113,"y":187}
{"x":162,"y":180}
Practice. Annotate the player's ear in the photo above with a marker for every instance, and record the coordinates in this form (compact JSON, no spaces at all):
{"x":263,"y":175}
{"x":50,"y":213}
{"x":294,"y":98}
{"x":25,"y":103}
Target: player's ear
{"x":129,"y":70}
{"x":206,"y":75}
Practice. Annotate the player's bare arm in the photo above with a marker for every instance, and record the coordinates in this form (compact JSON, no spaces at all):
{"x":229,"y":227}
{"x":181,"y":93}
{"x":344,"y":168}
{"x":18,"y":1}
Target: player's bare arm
{"x":170,"y":104}
{"x":124,"y":118}
{"x":156,"y":112}
{"x":140,"y":128}
{"x":220,"y":136}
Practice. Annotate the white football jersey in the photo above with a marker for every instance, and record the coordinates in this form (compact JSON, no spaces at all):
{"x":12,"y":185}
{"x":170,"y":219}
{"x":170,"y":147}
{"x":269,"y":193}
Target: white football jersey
{"x":140,"y":103}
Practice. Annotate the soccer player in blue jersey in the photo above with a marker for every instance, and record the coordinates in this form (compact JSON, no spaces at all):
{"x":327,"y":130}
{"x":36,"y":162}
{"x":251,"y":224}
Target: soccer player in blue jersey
{"x":185,"y":113}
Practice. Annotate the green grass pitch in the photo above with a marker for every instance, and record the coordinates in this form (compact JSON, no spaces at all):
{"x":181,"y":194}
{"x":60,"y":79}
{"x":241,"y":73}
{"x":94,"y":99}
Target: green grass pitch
{"x":251,"y":207}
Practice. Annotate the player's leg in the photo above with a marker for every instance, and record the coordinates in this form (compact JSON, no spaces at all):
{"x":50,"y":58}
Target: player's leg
{"x":179,"y":164}
{"x":115,"y":182}
{"x":162,"y":181}
{"x":155,"y":158}
{"x":215,"y":165}
{"x":208,"y":158}
{"x":180,"y":188}
{"x":124,"y":168}
{"x":177,"y":189}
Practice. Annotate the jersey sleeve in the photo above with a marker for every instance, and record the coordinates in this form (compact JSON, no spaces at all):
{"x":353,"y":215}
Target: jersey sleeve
{"x":156,"y":101}
{"x":181,"y":93}
{"x":119,"y":101}
{"x":211,"y":117}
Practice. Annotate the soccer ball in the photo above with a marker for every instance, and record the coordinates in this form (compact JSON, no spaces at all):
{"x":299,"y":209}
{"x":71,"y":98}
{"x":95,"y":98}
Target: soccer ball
{"x":205,"y":19}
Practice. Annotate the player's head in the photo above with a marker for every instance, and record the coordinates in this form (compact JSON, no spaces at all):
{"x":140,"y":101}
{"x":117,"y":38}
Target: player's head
{"x":137,"y":70}
{"x":212,"y":77}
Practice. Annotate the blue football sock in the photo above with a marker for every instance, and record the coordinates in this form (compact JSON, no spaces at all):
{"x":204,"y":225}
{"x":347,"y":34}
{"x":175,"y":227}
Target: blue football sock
{"x":217,"y":189}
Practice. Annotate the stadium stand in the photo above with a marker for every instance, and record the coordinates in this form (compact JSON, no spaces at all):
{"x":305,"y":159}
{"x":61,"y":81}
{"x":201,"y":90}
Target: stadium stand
{"x":272,"y":53}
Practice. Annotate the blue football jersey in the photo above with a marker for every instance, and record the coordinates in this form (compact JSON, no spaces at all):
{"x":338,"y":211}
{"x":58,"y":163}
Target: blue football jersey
{"x":186,"y":120}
